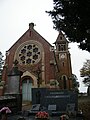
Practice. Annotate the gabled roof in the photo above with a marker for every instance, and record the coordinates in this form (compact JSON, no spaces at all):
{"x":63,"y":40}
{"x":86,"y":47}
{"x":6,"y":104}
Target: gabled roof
{"x":31,"y":28}
{"x":61,"y":38}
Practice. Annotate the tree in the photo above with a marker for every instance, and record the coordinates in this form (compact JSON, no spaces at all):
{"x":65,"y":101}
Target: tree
{"x":73,"y":18}
{"x":75,"y":82}
{"x":1,"y":64}
{"x":85,"y":73}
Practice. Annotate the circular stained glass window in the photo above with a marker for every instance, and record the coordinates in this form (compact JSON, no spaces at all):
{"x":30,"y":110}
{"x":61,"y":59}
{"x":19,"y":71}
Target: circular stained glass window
{"x":29,"y":54}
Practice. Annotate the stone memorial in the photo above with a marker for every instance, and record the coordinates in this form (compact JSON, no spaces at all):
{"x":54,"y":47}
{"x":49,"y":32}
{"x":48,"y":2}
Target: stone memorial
{"x":56,"y":101}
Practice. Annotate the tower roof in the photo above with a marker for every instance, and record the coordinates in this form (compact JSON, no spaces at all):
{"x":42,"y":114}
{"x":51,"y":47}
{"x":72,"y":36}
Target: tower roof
{"x":61,"y":38}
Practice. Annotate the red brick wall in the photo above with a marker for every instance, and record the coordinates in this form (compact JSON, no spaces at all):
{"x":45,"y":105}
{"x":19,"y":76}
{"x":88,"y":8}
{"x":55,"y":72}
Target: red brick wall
{"x":31,"y":34}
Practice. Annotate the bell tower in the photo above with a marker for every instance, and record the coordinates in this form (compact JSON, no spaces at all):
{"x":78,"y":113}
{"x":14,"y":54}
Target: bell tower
{"x":63,"y":62}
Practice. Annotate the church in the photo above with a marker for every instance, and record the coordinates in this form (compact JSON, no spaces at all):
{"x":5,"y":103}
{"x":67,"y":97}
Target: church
{"x":42,"y":65}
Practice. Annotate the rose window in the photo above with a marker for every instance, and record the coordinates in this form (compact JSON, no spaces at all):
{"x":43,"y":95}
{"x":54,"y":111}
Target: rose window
{"x":29,"y":54}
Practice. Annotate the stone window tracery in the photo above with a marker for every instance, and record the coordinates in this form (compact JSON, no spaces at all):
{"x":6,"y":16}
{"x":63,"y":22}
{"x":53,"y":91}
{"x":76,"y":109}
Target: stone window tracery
{"x":29,"y":53}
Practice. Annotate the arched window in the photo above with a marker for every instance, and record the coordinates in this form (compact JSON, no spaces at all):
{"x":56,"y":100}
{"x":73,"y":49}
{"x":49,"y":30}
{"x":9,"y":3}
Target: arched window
{"x":64,"y":47}
{"x":61,"y":47}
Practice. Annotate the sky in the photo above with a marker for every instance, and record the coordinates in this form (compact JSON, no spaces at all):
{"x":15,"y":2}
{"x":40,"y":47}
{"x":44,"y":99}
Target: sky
{"x":15,"y":16}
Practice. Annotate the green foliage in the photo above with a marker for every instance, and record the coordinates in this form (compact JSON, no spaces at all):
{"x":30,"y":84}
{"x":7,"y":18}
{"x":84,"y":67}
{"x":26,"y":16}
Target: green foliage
{"x":73,"y":18}
{"x":85,"y":72}
{"x":1,"y":64}
{"x":84,"y":105}
{"x":75,"y":82}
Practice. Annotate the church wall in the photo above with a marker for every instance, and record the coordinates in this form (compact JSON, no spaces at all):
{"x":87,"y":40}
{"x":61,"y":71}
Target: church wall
{"x":50,"y":69}
{"x":31,"y":34}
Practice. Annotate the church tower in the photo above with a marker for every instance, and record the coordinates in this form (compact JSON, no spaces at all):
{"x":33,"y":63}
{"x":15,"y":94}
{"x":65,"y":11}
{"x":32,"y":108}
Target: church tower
{"x":63,"y":62}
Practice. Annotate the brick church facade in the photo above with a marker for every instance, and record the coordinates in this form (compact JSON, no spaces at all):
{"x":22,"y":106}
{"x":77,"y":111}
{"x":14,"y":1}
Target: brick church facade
{"x":42,"y":65}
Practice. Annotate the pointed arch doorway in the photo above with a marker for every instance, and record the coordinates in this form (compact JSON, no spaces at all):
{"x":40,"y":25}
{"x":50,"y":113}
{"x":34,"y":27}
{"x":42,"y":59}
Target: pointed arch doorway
{"x":26,"y":88}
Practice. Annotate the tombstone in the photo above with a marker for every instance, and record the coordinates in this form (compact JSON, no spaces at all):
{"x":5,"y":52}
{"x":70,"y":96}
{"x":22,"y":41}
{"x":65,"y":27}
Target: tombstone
{"x":56,"y":101}
{"x":13,"y":83}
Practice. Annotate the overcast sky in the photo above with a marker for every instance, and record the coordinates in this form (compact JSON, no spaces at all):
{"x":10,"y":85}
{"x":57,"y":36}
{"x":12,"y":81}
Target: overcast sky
{"x":15,"y":16}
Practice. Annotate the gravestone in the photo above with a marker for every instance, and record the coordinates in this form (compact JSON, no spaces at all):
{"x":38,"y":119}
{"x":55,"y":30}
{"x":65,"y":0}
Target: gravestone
{"x":57,"y":101}
{"x":13,"y":101}
{"x":13,"y":83}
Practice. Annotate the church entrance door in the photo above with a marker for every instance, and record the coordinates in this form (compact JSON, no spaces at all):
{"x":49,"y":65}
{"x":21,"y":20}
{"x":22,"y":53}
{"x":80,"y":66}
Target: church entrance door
{"x":27,"y":90}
